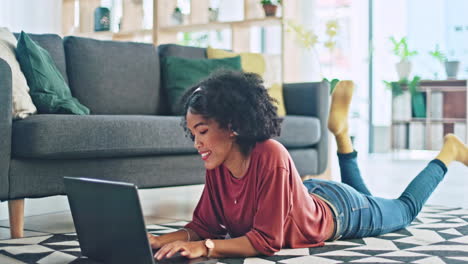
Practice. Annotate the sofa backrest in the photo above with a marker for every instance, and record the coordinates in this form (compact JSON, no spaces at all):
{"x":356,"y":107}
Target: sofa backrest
{"x":54,"y":45}
{"x":112,"y":77}
{"x":177,"y":51}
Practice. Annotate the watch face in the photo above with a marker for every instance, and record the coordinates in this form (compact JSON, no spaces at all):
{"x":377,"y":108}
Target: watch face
{"x":209,"y":243}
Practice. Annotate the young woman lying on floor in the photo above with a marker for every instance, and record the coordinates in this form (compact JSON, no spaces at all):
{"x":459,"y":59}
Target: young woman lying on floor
{"x":254,"y":201}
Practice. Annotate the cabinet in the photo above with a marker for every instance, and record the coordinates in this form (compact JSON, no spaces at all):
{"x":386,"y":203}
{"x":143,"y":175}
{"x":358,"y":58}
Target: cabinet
{"x":77,"y":19}
{"x":446,"y":112}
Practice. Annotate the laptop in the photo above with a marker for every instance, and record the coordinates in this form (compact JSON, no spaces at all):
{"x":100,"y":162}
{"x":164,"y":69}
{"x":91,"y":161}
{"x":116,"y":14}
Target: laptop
{"x":109,"y":223}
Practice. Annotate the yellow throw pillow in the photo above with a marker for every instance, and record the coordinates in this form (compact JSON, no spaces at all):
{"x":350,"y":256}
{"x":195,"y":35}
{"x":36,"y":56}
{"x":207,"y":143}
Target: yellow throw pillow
{"x":251,"y":62}
{"x":276,"y":91}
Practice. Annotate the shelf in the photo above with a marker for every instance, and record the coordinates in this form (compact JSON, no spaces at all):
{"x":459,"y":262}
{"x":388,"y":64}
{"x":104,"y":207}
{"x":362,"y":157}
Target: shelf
{"x":427,"y":133}
{"x":424,"y":120}
{"x":441,"y":85}
{"x":443,"y":88}
{"x":269,"y":21}
{"x":114,"y":35}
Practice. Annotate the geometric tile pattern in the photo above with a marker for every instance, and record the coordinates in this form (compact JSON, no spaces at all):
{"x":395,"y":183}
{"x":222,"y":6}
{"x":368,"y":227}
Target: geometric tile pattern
{"x":438,"y":235}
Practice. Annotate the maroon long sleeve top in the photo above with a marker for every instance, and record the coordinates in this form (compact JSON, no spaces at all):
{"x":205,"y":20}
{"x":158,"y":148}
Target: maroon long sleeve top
{"x":269,"y":205}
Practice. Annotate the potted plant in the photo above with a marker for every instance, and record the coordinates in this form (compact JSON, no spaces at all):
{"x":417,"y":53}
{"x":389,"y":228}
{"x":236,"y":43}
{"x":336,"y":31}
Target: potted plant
{"x":270,"y":6}
{"x":400,"y":49}
{"x":213,"y":14}
{"x":439,"y":56}
{"x":418,"y":105}
{"x":177,"y":16}
{"x":309,"y":40}
{"x":451,"y":66}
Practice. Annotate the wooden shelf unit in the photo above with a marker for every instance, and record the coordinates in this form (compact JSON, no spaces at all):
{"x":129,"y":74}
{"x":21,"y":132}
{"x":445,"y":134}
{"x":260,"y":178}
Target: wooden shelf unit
{"x":454,"y":111}
{"x":163,"y":32}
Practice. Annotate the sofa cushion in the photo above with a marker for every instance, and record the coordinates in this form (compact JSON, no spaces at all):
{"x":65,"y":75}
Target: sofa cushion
{"x":251,"y":62}
{"x":22,"y":103}
{"x":49,"y":90}
{"x":299,"y":131}
{"x":179,"y":74}
{"x":93,"y":136}
{"x":105,"y":136}
{"x":187,"y":52}
{"x":54,"y":45}
{"x":113,"y":77}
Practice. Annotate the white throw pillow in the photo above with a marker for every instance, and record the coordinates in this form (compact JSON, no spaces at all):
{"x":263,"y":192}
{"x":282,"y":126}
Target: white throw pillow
{"x":22,"y":103}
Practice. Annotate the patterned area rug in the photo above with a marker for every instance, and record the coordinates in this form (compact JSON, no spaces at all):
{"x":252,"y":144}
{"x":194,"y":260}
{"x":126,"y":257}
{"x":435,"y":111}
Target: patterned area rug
{"x":438,"y":235}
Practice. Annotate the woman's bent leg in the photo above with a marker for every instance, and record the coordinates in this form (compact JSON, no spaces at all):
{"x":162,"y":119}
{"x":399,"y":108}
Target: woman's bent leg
{"x":360,"y":215}
{"x":421,"y":187}
{"x":350,"y":173}
{"x":338,"y":125}
{"x":387,"y":215}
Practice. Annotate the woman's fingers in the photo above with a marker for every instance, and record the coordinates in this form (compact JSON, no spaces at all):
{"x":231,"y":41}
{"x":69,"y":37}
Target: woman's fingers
{"x":174,"y":250}
{"x":162,"y":251}
{"x":168,"y":250}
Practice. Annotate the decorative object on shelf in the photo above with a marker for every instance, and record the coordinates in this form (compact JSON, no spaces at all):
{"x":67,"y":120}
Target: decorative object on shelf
{"x":400,"y":49}
{"x":308,"y":39}
{"x":213,"y":14}
{"x":177,"y":16}
{"x":418,"y":104}
{"x":451,"y":66}
{"x":270,"y":7}
{"x":102,"y":19}
{"x":439,"y":56}
{"x":451,"y":69}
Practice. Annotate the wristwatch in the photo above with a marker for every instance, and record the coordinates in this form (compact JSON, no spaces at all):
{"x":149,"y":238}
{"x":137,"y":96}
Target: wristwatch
{"x":209,"y":244}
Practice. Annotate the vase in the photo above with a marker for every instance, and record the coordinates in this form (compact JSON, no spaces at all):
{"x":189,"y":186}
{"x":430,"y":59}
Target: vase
{"x":102,"y":19}
{"x":177,"y":18}
{"x":270,"y":10}
{"x":451,"y":68}
{"x":213,"y":14}
{"x":403,"y":69}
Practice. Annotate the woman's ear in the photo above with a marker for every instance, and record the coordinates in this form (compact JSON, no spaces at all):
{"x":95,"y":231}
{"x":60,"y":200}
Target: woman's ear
{"x":233,"y":133}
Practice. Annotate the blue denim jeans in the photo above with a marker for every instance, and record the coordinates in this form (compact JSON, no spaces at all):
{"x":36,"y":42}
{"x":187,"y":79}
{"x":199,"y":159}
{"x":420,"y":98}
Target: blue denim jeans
{"x":359,"y":214}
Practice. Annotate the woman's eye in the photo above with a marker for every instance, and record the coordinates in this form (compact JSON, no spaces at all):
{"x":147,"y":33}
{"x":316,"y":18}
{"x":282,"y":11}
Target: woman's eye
{"x":203,"y":132}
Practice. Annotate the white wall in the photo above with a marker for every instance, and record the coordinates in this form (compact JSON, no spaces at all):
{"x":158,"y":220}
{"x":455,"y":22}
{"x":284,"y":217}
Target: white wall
{"x":390,"y":19}
{"x":426,"y":28}
{"x":32,"y":16}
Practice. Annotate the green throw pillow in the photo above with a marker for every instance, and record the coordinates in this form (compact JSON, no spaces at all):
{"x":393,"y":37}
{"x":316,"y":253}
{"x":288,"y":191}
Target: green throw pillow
{"x":49,"y":91}
{"x":179,"y":74}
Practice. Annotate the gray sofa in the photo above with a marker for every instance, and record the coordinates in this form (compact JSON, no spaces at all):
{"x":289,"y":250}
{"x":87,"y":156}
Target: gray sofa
{"x":130,"y":135}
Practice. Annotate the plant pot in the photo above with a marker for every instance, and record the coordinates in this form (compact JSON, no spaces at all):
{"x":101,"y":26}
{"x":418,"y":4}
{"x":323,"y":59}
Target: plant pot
{"x":403,"y":69}
{"x":213,"y":14}
{"x":177,"y":18}
{"x":451,"y":68}
{"x":270,"y":10}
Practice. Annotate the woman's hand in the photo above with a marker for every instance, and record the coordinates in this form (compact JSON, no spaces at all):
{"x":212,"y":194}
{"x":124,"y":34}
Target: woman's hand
{"x":187,"y":249}
{"x":154,"y":241}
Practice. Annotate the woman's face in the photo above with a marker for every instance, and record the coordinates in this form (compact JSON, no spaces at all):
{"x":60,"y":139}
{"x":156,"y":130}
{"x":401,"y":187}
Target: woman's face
{"x":214,"y":144}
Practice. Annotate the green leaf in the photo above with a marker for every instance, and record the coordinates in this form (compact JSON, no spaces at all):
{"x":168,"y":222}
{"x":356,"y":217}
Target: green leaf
{"x":332,"y":83}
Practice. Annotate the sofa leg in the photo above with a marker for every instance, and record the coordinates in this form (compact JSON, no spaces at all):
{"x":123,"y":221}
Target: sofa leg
{"x":16,"y":211}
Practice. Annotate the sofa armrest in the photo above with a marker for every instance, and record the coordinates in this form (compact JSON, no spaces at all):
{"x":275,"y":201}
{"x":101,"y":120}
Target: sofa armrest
{"x":5,"y":126}
{"x":311,"y":99}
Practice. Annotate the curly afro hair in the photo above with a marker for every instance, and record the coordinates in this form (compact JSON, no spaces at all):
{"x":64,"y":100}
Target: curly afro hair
{"x":237,"y":101}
